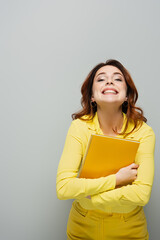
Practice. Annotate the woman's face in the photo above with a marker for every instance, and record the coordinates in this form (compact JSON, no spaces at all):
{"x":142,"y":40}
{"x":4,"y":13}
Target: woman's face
{"x":109,"y":86}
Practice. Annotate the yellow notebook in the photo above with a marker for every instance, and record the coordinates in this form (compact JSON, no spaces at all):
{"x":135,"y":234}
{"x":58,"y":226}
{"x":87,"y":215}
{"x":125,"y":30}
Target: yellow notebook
{"x":106,"y":155}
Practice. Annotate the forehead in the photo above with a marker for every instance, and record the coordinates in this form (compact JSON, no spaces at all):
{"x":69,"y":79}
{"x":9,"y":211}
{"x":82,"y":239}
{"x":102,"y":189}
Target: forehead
{"x":108,"y":70}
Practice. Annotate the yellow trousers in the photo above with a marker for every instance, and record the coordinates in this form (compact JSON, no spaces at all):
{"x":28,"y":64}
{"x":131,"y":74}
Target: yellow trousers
{"x":97,"y":225}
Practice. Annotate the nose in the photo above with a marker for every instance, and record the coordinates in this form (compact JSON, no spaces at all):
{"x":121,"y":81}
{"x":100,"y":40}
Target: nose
{"x":109,"y":81}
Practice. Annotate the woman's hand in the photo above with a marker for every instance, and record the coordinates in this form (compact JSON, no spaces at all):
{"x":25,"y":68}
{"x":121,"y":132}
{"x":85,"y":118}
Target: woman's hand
{"x":126,"y":175}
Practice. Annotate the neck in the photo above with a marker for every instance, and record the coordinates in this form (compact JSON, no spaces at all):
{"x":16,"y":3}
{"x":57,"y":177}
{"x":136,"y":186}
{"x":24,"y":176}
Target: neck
{"x":109,"y":119}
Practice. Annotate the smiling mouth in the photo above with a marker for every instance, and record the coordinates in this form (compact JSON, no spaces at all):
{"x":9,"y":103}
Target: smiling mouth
{"x":110,"y":92}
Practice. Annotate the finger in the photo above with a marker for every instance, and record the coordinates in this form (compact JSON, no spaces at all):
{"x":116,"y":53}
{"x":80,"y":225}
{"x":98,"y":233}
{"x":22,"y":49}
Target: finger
{"x":134,"y":171}
{"x":134,"y":165}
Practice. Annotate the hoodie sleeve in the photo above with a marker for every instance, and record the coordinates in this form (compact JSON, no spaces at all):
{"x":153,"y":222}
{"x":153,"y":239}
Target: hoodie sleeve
{"x":68,"y":185}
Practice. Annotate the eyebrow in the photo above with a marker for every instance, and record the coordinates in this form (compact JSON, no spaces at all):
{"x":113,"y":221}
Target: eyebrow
{"x":113,"y":73}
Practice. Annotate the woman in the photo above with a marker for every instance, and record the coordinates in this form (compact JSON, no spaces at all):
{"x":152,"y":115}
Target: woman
{"x":109,"y":207}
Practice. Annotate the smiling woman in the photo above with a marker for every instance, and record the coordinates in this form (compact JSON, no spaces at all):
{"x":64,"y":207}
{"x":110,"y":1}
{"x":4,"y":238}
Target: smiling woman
{"x":109,"y":207}
{"x":109,"y":92}
{"x":108,"y":83}
{"x":89,"y":105}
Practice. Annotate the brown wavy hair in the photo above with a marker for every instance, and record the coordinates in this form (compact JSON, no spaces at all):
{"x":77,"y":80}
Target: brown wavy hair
{"x":132,"y":112}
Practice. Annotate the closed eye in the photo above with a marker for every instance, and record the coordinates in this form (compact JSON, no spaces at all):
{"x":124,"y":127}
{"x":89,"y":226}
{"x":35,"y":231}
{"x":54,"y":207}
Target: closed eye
{"x":118,"y":79}
{"x":99,"y":80}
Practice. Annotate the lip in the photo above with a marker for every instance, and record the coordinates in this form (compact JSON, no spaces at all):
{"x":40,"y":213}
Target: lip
{"x":113,"y":89}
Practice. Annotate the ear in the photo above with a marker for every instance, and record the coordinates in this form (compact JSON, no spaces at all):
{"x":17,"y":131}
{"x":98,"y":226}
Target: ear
{"x":92,"y":99}
{"x":126,"y":98}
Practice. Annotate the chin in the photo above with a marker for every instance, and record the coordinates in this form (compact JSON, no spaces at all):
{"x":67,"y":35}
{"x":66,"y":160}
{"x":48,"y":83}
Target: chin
{"x":110,"y":102}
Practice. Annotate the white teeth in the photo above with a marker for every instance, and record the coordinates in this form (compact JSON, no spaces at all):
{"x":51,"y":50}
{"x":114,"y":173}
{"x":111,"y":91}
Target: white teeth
{"x":109,"y":91}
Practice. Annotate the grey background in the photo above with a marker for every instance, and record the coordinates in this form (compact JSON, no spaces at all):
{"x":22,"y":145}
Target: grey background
{"x":47,"y":48}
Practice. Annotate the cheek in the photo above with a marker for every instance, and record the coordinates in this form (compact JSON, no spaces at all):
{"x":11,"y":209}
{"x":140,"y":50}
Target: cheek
{"x":125,"y":88}
{"x":94,"y":89}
